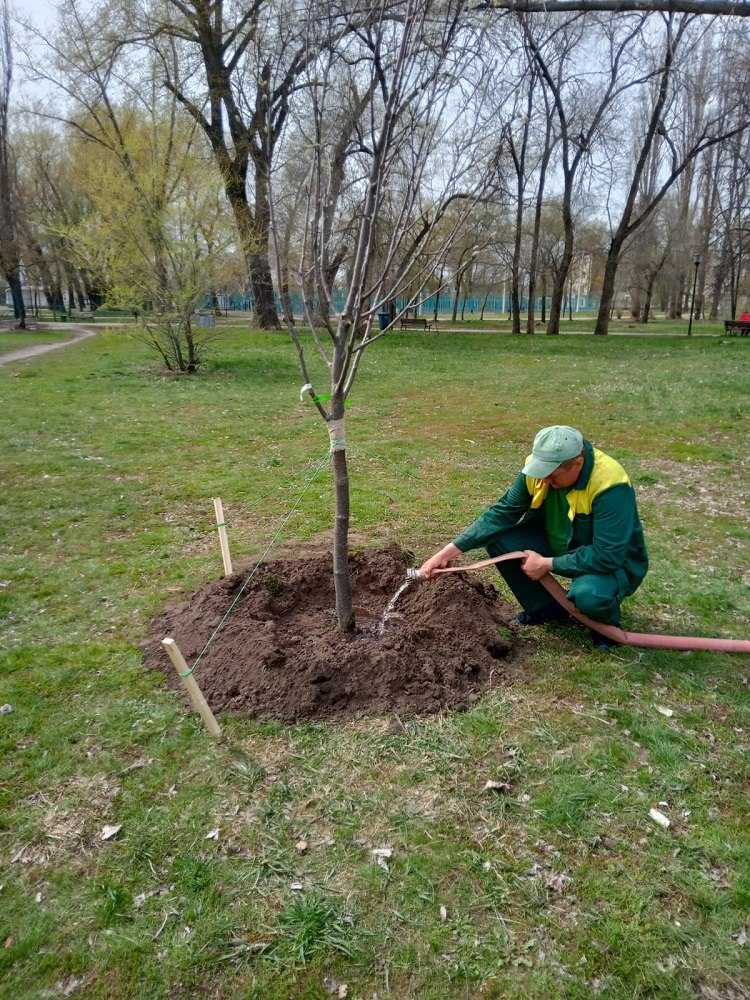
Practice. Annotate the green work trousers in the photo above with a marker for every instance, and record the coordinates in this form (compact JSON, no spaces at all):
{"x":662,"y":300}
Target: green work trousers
{"x":597,"y":595}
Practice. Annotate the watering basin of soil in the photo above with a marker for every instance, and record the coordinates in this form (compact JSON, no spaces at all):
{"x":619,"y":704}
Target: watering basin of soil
{"x":279,"y":655}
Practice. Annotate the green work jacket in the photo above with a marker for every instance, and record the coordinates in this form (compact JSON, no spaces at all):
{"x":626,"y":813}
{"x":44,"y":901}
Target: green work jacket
{"x":592,"y":526}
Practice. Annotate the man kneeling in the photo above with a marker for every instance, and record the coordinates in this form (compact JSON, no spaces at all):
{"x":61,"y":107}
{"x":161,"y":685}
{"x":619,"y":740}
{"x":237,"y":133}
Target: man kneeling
{"x":572,"y":510}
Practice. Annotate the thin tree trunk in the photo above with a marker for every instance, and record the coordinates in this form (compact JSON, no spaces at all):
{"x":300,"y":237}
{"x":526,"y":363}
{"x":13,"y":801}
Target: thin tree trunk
{"x":646,"y":311}
{"x":341,"y":576}
{"x":720,"y":277}
{"x":561,"y":273}
{"x":558,"y":294}
{"x":606,"y":303}
{"x":437,"y":293}
{"x":456,"y":296}
{"x":534,"y":256}
{"x":515,"y":278}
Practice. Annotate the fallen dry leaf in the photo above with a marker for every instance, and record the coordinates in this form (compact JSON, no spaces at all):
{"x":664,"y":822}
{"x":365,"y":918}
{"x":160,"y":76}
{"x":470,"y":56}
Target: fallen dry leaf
{"x":663,"y":710}
{"x":212,"y":834}
{"x":108,"y":832}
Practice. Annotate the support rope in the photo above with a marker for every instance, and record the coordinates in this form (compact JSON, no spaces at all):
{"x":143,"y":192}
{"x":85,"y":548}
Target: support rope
{"x":324,"y":461}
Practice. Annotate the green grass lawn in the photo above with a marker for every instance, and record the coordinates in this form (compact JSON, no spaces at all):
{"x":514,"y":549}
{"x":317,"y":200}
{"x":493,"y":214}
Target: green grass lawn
{"x":561,"y":888}
{"x":13,"y":340}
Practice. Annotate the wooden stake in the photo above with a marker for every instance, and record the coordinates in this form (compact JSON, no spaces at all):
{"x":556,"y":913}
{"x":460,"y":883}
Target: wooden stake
{"x":191,"y":686}
{"x":223,"y":540}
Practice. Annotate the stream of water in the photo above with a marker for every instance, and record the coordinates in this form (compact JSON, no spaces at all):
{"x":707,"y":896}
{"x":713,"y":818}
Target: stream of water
{"x":392,"y":604}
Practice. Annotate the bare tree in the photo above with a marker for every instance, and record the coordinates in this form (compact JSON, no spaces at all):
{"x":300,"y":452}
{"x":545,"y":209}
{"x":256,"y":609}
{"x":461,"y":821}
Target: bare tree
{"x":733,"y":8}
{"x":10,"y":262}
{"x":709,"y":126}
{"x":415,"y":60}
{"x":582,"y":106}
{"x":240,"y":66}
{"x":548,"y":147}
{"x":515,"y":138}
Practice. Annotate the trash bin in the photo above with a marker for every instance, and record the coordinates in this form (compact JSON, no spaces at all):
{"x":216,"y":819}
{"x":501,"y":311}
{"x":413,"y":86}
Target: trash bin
{"x":383,"y":320}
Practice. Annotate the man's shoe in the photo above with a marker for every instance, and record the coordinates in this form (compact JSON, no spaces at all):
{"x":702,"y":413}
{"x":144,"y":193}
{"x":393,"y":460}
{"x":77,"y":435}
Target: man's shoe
{"x":551,"y":612}
{"x":601,"y":642}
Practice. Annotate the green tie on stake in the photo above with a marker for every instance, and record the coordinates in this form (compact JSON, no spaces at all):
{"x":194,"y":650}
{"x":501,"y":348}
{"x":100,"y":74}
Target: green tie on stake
{"x":191,"y":686}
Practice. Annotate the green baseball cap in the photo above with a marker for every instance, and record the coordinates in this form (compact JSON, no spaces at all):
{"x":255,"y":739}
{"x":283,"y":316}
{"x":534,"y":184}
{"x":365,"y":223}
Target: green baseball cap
{"x":552,"y":446}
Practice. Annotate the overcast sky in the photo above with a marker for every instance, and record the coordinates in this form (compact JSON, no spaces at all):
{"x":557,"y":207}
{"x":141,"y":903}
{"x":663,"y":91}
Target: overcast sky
{"x":41,"y":12}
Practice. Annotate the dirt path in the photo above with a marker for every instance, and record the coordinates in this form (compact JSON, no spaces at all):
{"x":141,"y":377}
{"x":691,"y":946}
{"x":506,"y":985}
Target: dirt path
{"x":80,"y":333}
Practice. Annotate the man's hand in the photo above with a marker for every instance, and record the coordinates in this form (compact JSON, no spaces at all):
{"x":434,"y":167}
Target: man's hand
{"x":536,"y":566}
{"x":440,"y":560}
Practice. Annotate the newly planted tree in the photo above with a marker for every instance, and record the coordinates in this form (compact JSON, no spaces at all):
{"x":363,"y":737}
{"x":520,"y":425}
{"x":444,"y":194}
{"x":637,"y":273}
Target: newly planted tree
{"x":413,"y":152}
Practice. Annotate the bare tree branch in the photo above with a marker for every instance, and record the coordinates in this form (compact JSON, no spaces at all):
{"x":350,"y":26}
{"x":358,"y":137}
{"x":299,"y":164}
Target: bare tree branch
{"x":731,"y":8}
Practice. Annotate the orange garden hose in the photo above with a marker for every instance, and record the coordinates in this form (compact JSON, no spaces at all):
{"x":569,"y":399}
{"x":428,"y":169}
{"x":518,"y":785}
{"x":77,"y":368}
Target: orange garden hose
{"x":614,"y":632}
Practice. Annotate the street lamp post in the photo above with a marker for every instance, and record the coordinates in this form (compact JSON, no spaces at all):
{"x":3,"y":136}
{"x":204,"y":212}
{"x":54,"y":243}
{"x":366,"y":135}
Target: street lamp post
{"x":696,"y":264}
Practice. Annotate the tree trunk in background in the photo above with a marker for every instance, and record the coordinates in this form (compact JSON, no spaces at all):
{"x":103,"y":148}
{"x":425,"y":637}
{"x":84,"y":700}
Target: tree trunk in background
{"x":515,"y":280}
{"x":646,"y":311}
{"x":635,"y":302}
{"x":570,"y":299}
{"x":720,"y":277}
{"x":515,"y":299}
{"x":19,"y":309}
{"x":607,"y":301}
{"x":457,"y":293}
{"x":260,"y":268}
{"x":255,"y":251}
{"x":283,"y":276}
{"x":708,"y":214}
{"x":437,"y":293}
{"x":534,"y":255}
{"x":561,"y":274}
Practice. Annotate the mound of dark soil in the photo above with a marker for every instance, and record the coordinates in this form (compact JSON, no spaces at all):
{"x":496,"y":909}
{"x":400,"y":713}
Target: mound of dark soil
{"x":279,"y":654}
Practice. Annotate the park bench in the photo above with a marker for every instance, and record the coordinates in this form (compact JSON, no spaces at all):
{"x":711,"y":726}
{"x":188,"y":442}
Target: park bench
{"x":736,"y":327}
{"x":417,"y":322}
